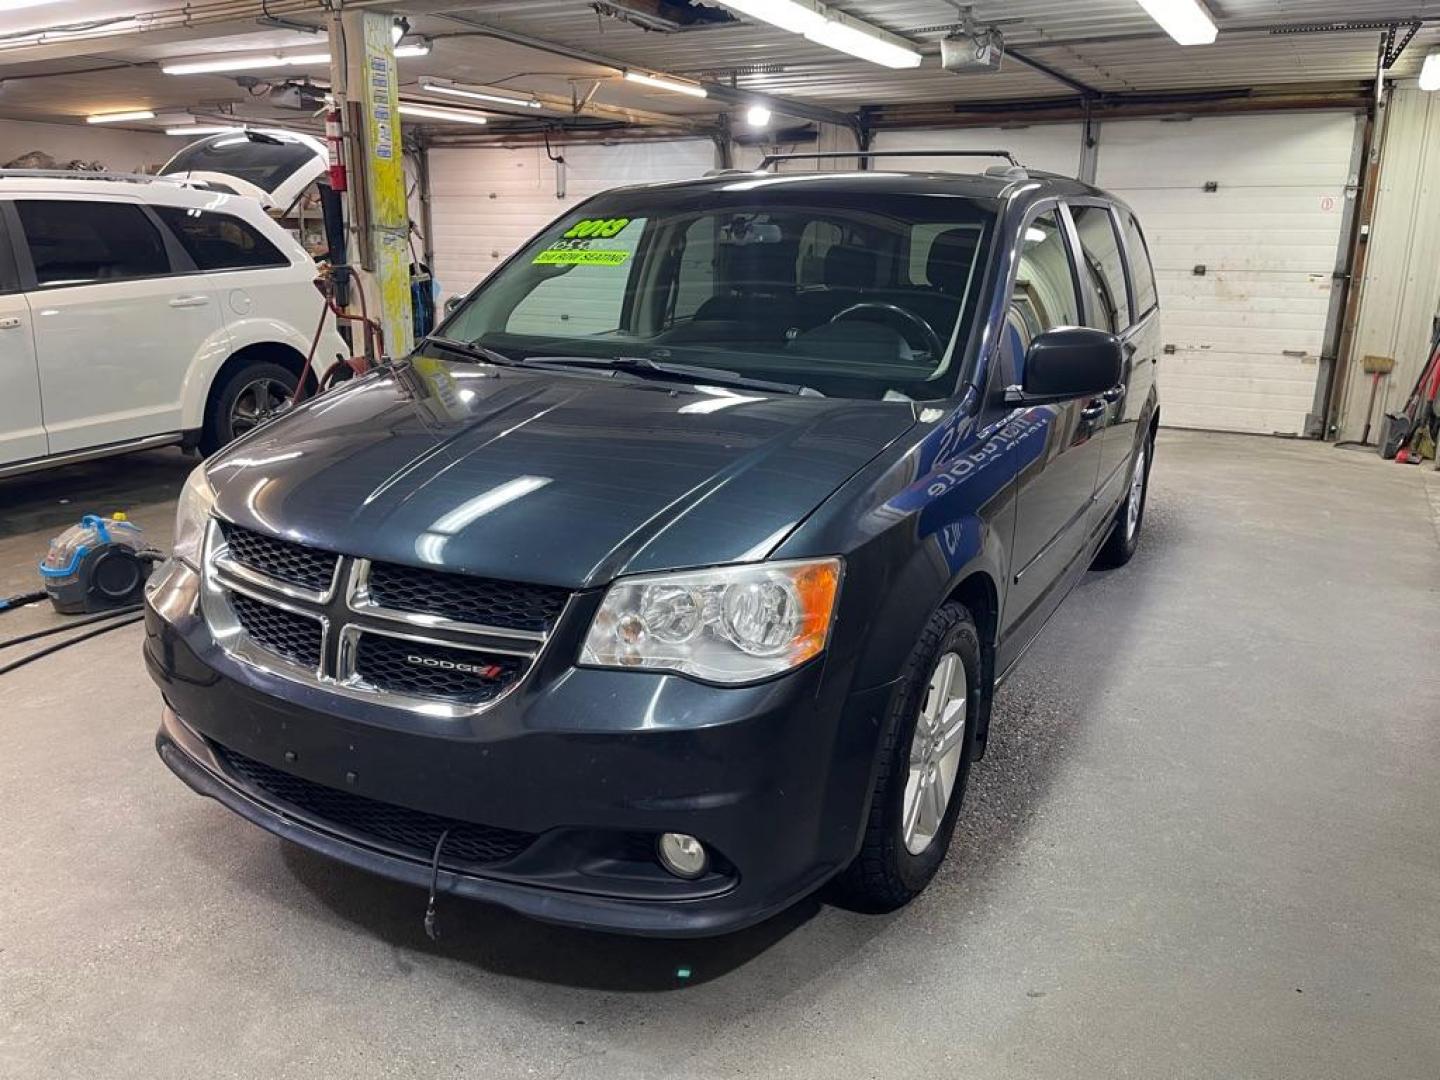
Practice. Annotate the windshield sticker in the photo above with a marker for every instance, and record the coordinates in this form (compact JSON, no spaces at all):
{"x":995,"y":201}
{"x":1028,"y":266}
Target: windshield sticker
{"x":579,"y":256}
{"x":573,"y":248}
{"x":597,"y":228}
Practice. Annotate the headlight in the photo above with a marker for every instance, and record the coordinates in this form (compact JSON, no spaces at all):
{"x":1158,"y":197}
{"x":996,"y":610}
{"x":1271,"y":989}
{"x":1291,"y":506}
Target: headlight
{"x":735,"y":624}
{"x":192,"y":514}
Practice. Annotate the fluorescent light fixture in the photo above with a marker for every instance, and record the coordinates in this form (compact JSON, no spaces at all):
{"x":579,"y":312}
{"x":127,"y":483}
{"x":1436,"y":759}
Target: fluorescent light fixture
{"x":1186,"y":21}
{"x":120,"y":117}
{"x":847,"y":37}
{"x":251,"y":62}
{"x":757,"y":116}
{"x":245,"y":63}
{"x":833,"y":29}
{"x":434,"y":112}
{"x":201,"y":129}
{"x":673,"y":85}
{"x":17,"y":5}
{"x":439,"y":86}
{"x":1430,"y":71}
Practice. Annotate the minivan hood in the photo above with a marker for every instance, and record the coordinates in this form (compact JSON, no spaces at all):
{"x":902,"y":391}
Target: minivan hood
{"x":555,"y":478}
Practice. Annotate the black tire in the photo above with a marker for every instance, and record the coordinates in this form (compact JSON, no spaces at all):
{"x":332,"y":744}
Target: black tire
{"x":1120,"y":546}
{"x":885,"y":874}
{"x":221,"y":424}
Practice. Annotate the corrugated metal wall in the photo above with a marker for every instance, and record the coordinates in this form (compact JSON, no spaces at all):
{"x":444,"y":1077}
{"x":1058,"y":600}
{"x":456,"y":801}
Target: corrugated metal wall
{"x":1401,"y":286}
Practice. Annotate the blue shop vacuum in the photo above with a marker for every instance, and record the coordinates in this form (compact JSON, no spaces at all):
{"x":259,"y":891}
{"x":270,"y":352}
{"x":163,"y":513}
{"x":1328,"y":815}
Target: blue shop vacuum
{"x":98,"y":565}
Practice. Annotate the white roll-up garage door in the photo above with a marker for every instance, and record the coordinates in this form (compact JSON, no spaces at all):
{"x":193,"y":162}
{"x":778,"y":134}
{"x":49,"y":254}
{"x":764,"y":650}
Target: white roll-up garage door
{"x":1051,"y":147}
{"x":485,"y":203}
{"x":1247,"y":329}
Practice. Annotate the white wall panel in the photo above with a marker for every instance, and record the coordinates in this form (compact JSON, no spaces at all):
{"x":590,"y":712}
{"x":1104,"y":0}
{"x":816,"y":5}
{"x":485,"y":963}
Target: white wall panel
{"x":1248,"y":332}
{"x":1401,"y":288}
{"x":488,"y":202}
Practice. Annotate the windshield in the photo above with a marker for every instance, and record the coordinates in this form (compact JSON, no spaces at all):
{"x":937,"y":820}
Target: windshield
{"x":853,"y":295}
{"x":266,"y":161}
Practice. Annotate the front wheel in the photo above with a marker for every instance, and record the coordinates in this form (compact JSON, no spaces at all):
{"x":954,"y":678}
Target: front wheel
{"x":924,"y":763}
{"x":1119,"y":547}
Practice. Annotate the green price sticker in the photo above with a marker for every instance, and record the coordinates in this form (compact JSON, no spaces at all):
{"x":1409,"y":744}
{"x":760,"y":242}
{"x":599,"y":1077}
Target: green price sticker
{"x":597,"y":228}
{"x":580,"y":257}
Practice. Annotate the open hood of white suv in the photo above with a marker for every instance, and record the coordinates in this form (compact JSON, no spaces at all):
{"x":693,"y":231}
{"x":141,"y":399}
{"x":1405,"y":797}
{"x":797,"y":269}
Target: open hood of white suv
{"x":266,"y":164}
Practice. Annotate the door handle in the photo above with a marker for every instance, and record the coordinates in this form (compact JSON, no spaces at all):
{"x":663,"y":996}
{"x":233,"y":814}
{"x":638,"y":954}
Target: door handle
{"x":190,"y":301}
{"x":1094,"y":410}
{"x":1115,"y":393}
{"x":9,"y":323}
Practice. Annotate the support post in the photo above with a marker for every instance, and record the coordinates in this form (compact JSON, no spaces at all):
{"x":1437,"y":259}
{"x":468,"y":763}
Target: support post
{"x":381,"y":217}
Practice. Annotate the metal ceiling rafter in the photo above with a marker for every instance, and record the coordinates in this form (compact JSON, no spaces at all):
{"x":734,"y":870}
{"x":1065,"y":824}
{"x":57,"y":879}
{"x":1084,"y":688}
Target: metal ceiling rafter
{"x":720,"y":92}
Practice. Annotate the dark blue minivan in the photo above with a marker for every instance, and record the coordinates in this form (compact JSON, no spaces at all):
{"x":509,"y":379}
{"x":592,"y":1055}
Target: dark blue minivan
{"x":671,"y":578}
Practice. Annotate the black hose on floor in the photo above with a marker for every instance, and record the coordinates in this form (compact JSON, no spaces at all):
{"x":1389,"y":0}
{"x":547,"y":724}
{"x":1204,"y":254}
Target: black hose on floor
{"x":71,"y":625}
{"x":10,"y":603}
{"x":49,"y":649}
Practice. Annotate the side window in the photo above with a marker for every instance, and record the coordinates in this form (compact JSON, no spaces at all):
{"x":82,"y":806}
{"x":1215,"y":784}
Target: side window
{"x":80,"y":242}
{"x":1103,"y":273}
{"x":1045,"y":296}
{"x":220,"y":241}
{"x":582,"y":297}
{"x":1142,"y":273}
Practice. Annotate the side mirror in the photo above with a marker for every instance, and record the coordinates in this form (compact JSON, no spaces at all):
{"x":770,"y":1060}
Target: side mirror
{"x":1067,"y":363}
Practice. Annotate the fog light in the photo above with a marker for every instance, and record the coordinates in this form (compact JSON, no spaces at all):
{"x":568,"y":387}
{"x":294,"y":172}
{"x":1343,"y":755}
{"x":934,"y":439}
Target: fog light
{"x":682,"y":855}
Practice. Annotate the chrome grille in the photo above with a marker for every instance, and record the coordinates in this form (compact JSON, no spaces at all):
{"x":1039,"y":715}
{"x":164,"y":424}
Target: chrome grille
{"x":505,"y":604}
{"x":283,"y":632}
{"x":275,"y":614}
{"x":283,"y":560}
{"x":427,"y":670}
{"x":413,"y":831}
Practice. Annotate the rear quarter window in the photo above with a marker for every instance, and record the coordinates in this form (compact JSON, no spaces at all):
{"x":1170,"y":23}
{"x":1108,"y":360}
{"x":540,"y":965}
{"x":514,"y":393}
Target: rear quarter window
{"x":219,"y":241}
{"x":1142,"y":273}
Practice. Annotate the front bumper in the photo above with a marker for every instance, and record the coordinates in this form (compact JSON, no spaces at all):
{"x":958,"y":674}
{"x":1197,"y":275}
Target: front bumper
{"x":773,"y":778}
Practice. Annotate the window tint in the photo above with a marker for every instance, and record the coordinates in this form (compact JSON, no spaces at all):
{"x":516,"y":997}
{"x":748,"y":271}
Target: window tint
{"x":75,"y":243}
{"x":220,"y":241}
{"x":9,"y":279}
{"x":1044,"y":295}
{"x":1142,"y":274}
{"x":1103,"y":273}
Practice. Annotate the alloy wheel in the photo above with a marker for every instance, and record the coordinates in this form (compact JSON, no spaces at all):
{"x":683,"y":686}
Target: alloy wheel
{"x":1137,"y":495}
{"x":935,"y":754}
{"x":256,"y":402}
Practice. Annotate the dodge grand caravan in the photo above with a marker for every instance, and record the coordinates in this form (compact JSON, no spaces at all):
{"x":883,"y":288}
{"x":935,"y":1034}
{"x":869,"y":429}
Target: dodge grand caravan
{"x":671,"y":578}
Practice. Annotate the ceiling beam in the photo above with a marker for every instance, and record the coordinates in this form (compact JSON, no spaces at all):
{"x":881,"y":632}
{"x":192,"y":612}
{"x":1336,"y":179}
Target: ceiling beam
{"x":727,"y":94}
{"x":1079,"y":87}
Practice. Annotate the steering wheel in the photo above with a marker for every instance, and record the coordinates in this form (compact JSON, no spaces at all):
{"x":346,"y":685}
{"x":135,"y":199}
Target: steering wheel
{"x":932,"y":339}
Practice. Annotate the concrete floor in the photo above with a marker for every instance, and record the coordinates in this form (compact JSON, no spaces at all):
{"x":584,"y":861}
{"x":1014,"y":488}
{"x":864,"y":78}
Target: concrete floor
{"x":1203,"y":845}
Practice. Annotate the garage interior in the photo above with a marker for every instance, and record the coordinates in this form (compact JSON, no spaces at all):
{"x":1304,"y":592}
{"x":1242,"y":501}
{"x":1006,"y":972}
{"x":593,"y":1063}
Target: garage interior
{"x":1202,"y":840}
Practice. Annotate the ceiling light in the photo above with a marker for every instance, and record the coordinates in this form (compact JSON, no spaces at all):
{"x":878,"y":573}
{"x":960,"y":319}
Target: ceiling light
{"x":673,"y":85}
{"x":849,"y":38}
{"x":757,"y":116}
{"x":16,"y":5}
{"x":1430,"y":71}
{"x":439,"y":86}
{"x":120,"y":117}
{"x":252,"y":62}
{"x":200,"y":129}
{"x":1186,"y":21}
{"x":833,"y":29}
{"x":245,"y":63}
{"x":432,"y":112}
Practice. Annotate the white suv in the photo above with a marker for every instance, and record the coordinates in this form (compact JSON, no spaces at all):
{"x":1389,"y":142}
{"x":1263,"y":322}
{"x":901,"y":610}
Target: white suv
{"x":142,"y":311}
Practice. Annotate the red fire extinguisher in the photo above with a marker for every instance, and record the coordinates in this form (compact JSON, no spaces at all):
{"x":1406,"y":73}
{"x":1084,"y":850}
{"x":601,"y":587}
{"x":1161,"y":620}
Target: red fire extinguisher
{"x":335,"y":144}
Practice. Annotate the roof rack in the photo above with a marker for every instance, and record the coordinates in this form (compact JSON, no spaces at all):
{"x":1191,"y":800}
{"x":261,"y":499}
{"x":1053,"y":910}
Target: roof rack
{"x":76,"y":174}
{"x":830,"y":155}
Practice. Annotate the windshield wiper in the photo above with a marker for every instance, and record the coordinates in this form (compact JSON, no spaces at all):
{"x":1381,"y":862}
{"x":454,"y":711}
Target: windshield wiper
{"x":470,"y":350}
{"x":643,"y":365}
